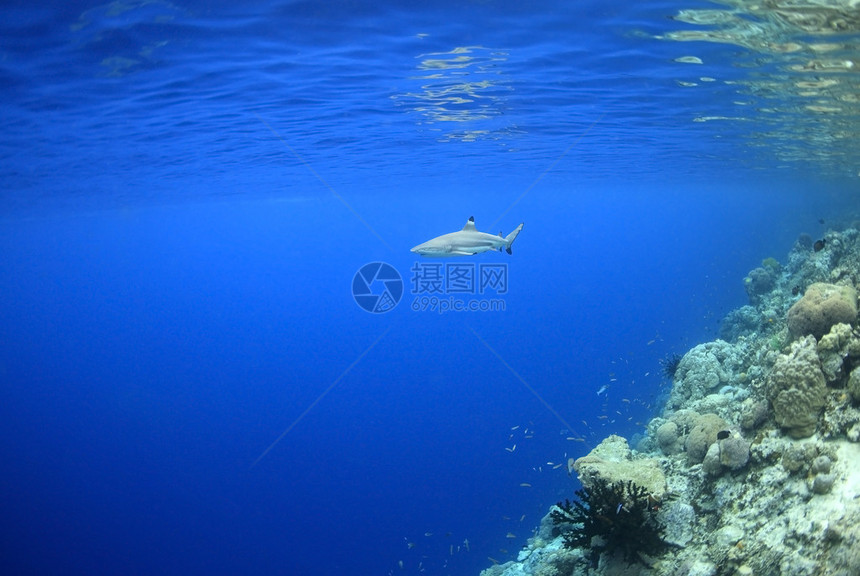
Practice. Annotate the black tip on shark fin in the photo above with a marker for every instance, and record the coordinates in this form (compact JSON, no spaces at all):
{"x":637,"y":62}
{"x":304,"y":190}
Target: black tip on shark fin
{"x":471,"y":218}
{"x":508,"y":250}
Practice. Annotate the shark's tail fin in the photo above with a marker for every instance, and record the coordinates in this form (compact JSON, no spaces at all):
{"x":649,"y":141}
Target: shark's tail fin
{"x":509,"y":239}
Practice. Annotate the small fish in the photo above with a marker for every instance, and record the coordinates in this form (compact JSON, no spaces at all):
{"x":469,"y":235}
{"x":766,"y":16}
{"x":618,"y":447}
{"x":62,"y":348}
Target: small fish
{"x":493,"y":560}
{"x":525,"y":485}
{"x":650,"y":342}
{"x":818,"y":246}
{"x":570,"y":462}
{"x":466,"y":544}
{"x":511,"y":535}
{"x":515,"y":427}
{"x":410,"y":545}
{"x":523,"y":517}
{"x":511,"y":449}
{"x":557,"y":466}
{"x":428,"y":534}
{"x":602,"y":389}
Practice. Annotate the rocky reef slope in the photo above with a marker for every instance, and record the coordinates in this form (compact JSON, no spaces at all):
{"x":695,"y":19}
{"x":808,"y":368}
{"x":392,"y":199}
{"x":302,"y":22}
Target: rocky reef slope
{"x":753,"y":466}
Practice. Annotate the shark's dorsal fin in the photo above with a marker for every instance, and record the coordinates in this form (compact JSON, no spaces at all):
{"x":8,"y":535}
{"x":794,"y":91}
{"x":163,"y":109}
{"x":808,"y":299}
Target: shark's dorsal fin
{"x":470,"y":225}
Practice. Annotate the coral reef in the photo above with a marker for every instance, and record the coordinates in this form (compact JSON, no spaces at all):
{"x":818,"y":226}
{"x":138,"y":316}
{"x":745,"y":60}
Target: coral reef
{"x":731,"y":452}
{"x":702,"y":436}
{"x":612,"y":462}
{"x":704,"y":369}
{"x":759,"y":282}
{"x":839,"y":351}
{"x":854,"y":384}
{"x":796,"y":388}
{"x":753,"y":414}
{"x":612,"y":517}
{"x":668,"y":438}
{"x":745,"y":321}
{"x":757,"y":446}
{"x":821,"y":307}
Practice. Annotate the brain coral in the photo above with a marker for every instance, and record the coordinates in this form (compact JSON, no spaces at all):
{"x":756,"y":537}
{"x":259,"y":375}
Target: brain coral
{"x":796,"y":388}
{"x":703,"y":370}
{"x":703,"y":434}
{"x":822,"y":306}
{"x":667,"y":438}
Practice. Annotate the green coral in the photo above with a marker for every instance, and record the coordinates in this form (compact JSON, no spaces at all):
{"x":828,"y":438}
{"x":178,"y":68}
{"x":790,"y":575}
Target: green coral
{"x":771,"y":263}
{"x":775,"y":343}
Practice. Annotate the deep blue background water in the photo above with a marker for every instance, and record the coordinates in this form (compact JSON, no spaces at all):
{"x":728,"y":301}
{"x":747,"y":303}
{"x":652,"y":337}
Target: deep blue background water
{"x":179,"y":234}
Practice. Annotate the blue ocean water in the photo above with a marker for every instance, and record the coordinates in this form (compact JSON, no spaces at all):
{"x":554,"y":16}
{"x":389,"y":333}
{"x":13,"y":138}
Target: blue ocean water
{"x":188,"y":190}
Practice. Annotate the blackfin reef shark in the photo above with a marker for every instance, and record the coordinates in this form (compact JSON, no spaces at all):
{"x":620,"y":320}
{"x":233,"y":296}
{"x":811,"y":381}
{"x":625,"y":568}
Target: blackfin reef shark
{"x":466,"y":242}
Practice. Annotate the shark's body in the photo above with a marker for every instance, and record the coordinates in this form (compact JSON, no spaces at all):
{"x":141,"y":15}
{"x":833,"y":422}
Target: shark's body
{"x":466,"y":242}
